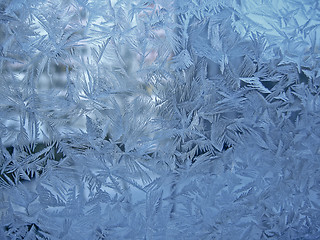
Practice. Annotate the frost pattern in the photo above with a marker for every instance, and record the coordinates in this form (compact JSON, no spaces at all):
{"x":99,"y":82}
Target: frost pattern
{"x":159,"y":119}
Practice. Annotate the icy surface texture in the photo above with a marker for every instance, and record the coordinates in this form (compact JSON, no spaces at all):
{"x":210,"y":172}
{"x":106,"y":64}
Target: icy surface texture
{"x":165,"y":119}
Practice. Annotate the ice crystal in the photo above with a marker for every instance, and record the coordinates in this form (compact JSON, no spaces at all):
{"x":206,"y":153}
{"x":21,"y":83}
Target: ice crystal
{"x":166,"y":119}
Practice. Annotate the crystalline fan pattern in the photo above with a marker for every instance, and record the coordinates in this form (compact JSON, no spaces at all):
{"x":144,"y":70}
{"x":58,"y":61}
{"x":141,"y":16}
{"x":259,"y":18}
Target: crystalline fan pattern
{"x":159,"y":119}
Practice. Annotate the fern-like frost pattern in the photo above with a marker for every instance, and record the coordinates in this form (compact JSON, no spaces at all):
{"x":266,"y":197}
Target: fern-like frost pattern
{"x":165,"y":119}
